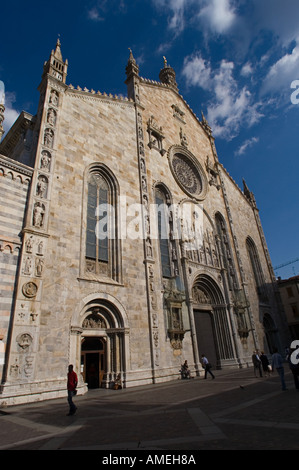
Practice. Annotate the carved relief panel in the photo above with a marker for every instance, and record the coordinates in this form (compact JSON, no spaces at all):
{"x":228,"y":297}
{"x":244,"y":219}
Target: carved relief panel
{"x":156,"y":136}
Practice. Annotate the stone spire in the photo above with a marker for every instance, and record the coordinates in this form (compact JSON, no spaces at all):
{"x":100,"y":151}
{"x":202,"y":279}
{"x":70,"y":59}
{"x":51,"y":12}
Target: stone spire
{"x":249,"y":194}
{"x":55,"y":66}
{"x":132,"y":67}
{"x":206,"y":125}
{"x":2,"y":108}
{"x":167,"y":75}
{"x":132,"y":71}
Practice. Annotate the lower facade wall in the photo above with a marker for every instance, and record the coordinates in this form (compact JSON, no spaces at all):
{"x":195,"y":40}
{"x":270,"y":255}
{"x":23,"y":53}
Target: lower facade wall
{"x":37,"y":391}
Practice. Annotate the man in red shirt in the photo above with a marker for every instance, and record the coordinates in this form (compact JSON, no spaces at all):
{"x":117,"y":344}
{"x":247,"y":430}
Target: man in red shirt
{"x":72,"y":381}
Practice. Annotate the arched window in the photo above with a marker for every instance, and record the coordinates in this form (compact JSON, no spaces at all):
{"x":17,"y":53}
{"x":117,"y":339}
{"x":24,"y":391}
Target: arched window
{"x":102,"y":247}
{"x":162,"y":202}
{"x":97,"y":231}
{"x":256,"y":268}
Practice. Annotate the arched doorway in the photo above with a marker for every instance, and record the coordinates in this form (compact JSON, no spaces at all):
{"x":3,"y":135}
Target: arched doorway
{"x":102,"y":343}
{"x":213,"y":333}
{"x":93,"y":361}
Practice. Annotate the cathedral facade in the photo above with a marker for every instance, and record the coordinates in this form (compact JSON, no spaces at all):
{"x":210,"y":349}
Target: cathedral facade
{"x":125,"y":246}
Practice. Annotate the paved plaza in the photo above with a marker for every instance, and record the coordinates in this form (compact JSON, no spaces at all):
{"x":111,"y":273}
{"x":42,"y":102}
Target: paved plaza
{"x":236,"y":411}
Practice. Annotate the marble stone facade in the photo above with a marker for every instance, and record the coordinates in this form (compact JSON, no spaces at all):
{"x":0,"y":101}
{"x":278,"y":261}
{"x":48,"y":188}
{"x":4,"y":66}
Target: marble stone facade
{"x":134,"y":313}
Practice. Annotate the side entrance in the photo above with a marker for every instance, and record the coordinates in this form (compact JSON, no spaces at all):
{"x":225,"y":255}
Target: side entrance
{"x":93,"y":361}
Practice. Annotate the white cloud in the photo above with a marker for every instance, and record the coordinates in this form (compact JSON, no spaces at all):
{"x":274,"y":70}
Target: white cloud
{"x":197,"y":71}
{"x":102,"y":8}
{"x":94,"y":15}
{"x":282,"y":73}
{"x":2,"y":92}
{"x":176,"y":21}
{"x":247,"y":70}
{"x":248,"y":143}
{"x":219,"y":15}
{"x":230,"y":106}
{"x":234,"y":104}
{"x":10,"y":114}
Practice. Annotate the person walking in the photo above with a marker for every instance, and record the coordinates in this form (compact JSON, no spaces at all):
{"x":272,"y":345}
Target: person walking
{"x":207,"y":366}
{"x":72,"y":381}
{"x":265,"y":364}
{"x":257,"y":363}
{"x":277,"y":363}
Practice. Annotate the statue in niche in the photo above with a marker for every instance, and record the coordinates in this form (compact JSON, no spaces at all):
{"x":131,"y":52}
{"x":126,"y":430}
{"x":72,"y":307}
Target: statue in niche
{"x":40,"y":247}
{"x":153,"y":302}
{"x":215,"y":258}
{"x":38,"y":214}
{"x":155,"y":319}
{"x":141,"y":148}
{"x":28,"y":265}
{"x":42,"y":186}
{"x":54,"y":98}
{"x":49,"y":138}
{"x":145,"y":202}
{"x":176,"y":323}
{"x":209,"y":258}
{"x":155,"y":135}
{"x":140,"y":132}
{"x":45,"y":161}
{"x":147,"y":224}
{"x":149,"y":251}
{"x":142,"y":165}
{"x":15,"y":369}
{"x":156,"y":338}
{"x":143,"y":183}
{"x":29,"y":245}
{"x":51,"y":117}
{"x":39,"y":265}
{"x":28,"y":368}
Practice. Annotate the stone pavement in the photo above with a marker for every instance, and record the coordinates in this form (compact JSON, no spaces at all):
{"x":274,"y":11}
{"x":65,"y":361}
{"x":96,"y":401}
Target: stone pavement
{"x":236,"y":411}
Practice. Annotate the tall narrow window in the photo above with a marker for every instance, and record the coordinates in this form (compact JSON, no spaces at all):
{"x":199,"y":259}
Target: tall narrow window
{"x":102,"y":247}
{"x":163,"y":231}
{"x":257,"y":269}
{"x":98,"y":229}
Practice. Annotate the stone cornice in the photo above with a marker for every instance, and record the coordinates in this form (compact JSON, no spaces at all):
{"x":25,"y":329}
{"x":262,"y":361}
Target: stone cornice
{"x":16,"y":166}
{"x":23,"y":122}
{"x":91,"y":95}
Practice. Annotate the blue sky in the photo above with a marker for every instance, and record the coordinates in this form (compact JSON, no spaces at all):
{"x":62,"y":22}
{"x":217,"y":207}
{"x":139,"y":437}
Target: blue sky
{"x":235,"y":60}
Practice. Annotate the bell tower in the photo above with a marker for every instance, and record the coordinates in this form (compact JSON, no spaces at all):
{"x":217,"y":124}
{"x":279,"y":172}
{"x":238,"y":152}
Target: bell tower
{"x":55,"y":66}
{"x":167,"y":76}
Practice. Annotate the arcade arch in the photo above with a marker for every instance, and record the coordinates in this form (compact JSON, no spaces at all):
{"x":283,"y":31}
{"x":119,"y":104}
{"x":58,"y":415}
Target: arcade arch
{"x":211,"y":319}
{"x":99,"y":341}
